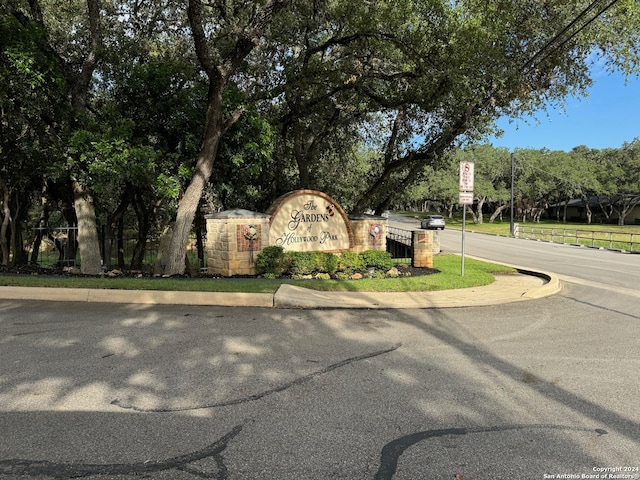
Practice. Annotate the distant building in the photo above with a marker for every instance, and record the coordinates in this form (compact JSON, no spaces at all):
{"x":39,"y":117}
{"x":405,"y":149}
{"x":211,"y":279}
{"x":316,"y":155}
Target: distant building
{"x":601,"y":207}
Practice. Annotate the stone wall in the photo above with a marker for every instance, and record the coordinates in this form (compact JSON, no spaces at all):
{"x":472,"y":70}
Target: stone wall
{"x":369,"y":233}
{"x":424,"y":245}
{"x":303,"y":220}
{"x":234,"y":238}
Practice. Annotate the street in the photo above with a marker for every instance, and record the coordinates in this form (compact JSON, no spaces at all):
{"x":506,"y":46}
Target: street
{"x":530,"y":390}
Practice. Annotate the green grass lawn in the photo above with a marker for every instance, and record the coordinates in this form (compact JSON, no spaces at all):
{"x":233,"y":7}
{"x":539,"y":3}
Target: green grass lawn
{"x":625,"y":237}
{"x":502,"y":227}
{"x":476,"y":273}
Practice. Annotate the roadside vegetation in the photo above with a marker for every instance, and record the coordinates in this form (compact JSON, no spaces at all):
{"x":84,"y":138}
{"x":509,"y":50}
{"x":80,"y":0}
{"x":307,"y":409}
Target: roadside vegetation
{"x":502,"y":227}
{"x":146,"y":116}
{"x":618,"y":237}
{"x":477,"y":273}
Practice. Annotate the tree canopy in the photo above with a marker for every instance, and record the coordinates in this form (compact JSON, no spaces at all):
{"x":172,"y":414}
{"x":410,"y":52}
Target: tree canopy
{"x":158,"y":105}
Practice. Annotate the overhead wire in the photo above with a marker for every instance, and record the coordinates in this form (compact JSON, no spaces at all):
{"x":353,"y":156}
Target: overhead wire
{"x":531,"y":63}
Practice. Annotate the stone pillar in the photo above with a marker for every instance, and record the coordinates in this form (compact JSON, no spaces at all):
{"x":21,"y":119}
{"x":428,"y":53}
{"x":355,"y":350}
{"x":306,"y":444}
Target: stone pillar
{"x":423,"y":247}
{"x":234,"y":238}
{"x":369,"y":232}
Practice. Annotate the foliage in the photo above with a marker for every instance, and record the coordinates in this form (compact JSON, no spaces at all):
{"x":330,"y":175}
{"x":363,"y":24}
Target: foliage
{"x":476,"y":273}
{"x":542,"y":178}
{"x":243,"y":101}
{"x":350,"y":262}
{"x":377,"y":259}
{"x":270,"y":261}
{"x":274,"y":261}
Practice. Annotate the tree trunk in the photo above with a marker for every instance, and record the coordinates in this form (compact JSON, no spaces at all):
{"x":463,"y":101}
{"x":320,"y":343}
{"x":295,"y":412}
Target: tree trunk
{"x":498,"y":212}
{"x":6,"y":220}
{"x":200,"y":227}
{"x":120,"y":244}
{"x":88,"y":242}
{"x":20,"y":256}
{"x":479,"y":206}
{"x":191,"y":198}
{"x":216,"y":124}
{"x":564,"y":210}
{"x":115,"y":220}
{"x":37,"y":241}
{"x":588,"y":210}
{"x":144,"y":225}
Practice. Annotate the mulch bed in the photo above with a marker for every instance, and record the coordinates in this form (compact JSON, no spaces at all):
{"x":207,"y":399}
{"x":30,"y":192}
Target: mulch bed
{"x":59,"y":271}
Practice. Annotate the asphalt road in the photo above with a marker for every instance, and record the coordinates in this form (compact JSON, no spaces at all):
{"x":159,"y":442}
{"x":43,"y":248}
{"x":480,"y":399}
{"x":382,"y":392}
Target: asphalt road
{"x":546,"y":388}
{"x":599,"y":268}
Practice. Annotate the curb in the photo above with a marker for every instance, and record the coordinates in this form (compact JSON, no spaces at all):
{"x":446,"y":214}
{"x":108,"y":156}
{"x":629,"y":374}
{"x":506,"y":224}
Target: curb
{"x":505,"y":289}
{"x":143,"y":297}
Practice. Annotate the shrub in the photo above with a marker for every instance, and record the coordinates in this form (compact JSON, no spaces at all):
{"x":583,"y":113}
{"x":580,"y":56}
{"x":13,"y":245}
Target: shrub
{"x":377,"y":259}
{"x":329,"y":263}
{"x":306,"y":263}
{"x":270,"y":262}
{"x":274,"y":261}
{"x":301,"y":263}
{"x":350,"y":261}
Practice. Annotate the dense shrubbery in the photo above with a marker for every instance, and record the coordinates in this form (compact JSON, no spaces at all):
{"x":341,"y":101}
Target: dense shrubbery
{"x":275,"y":262}
{"x":270,"y":261}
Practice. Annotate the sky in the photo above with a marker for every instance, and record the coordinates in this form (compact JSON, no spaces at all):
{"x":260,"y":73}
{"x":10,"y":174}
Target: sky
{"x":607,"y":118}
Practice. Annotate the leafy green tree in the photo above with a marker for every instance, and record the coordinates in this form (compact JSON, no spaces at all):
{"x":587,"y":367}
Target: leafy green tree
{"x":236,"y":32}
{"x":621,"y":179}
{"x":31,"y":111}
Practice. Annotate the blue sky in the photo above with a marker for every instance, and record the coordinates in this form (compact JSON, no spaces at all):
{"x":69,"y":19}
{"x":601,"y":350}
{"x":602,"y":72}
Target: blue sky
{"x":607,"y":118}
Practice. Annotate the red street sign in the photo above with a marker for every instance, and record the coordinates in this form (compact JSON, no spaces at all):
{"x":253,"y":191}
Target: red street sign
{"x":466,"y":176}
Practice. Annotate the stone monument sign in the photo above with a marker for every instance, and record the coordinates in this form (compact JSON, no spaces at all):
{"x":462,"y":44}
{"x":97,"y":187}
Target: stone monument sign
{"x":300,"y":221}
{"x":307,"y":220}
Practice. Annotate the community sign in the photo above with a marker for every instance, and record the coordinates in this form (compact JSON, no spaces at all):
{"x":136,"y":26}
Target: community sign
{"x":307,"y":220}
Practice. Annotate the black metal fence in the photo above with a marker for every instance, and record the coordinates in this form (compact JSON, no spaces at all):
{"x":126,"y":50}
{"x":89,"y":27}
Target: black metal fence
{"x":58,"y":247}
{"x":399,"y":242}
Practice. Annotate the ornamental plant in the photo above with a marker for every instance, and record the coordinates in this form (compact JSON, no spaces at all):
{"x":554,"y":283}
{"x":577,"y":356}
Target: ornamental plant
{"x":275,"y":262}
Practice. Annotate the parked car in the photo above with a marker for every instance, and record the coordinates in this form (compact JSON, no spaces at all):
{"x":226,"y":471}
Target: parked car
{"x":432,"y":222}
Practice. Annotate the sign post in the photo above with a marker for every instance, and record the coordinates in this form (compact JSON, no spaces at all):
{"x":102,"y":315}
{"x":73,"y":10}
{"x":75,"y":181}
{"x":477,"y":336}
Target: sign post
{"x":465,"y":198}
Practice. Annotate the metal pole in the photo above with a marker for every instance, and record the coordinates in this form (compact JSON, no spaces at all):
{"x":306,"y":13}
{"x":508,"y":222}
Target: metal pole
{"x":513,"y":175}
{"x":464,"y":221}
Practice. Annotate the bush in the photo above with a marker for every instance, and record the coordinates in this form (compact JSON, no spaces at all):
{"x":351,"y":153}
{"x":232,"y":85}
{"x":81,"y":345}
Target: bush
{"x":301,"y":263}
{"x":329,"y":263}
{"x":306,"y":263}
{"x":350,"y":261}
{"x":270,"y":262}
{"x":274,"y":262}
{"x":377,"y":259}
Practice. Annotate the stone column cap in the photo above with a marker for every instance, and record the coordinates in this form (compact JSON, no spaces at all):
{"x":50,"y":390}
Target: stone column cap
{"x":236,"y":213}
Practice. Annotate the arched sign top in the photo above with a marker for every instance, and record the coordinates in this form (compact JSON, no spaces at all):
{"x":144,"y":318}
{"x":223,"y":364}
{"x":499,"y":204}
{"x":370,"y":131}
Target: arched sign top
{"x":308,"y":220}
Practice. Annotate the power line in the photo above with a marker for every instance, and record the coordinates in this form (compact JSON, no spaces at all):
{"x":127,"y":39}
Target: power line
{"x":575,"y":21}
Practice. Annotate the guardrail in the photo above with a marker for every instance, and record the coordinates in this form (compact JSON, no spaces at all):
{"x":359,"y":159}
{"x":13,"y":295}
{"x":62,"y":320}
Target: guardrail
{"x":629,"y":242}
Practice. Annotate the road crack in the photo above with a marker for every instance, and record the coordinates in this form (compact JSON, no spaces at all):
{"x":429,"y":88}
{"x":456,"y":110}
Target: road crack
{"x":263,"y":394}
